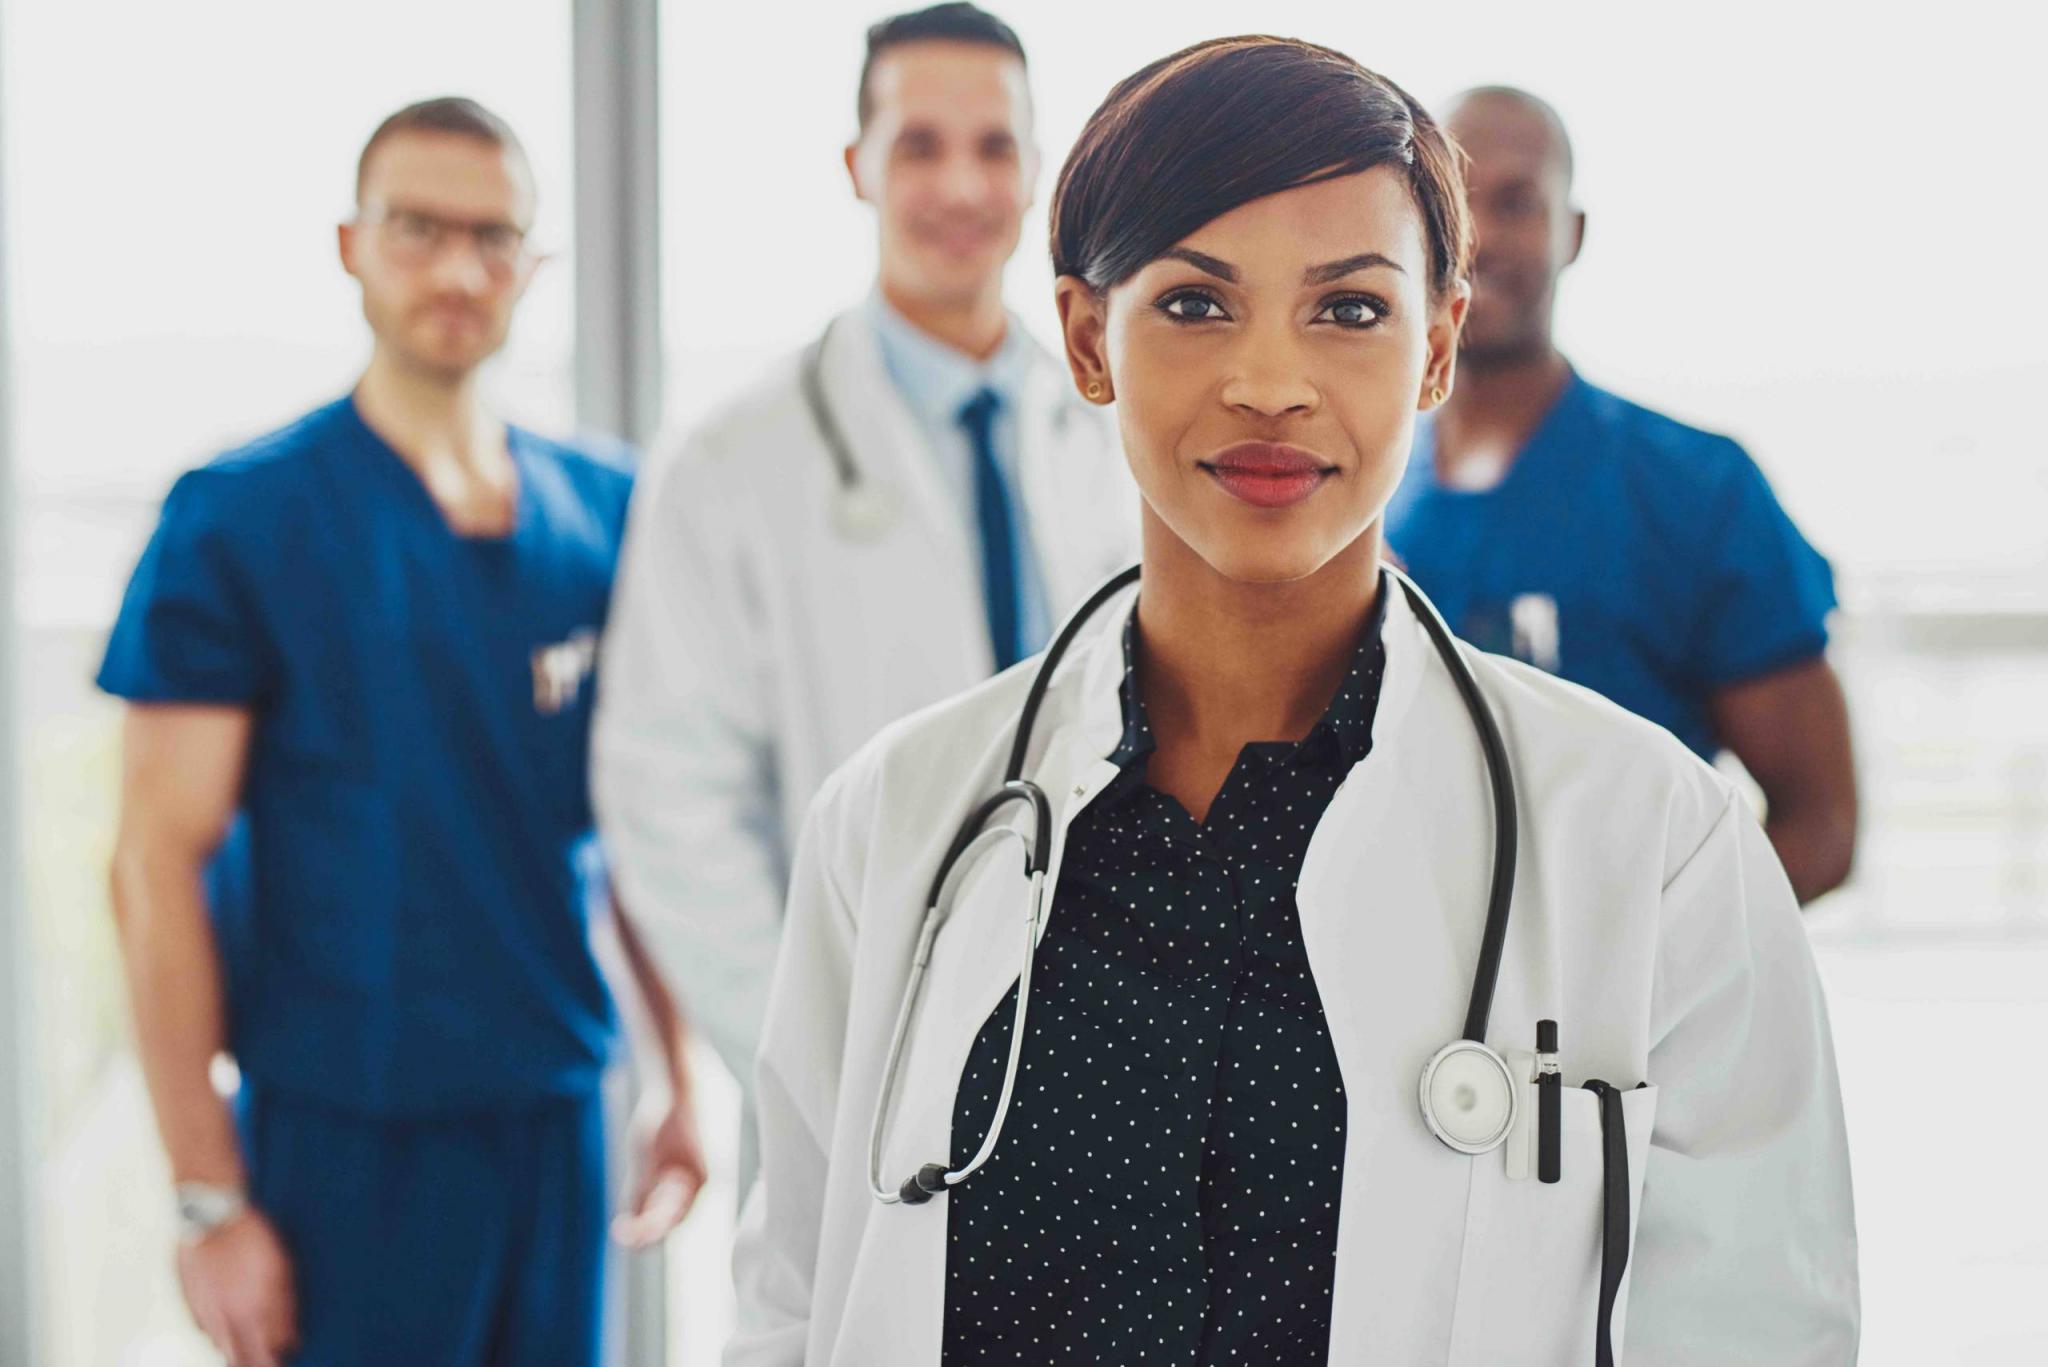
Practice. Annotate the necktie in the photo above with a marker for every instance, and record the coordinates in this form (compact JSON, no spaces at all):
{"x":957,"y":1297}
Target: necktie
{"x":996,"y":516}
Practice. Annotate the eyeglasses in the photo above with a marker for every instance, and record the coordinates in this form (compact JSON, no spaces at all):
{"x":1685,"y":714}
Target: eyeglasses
{"x":416,"y":237}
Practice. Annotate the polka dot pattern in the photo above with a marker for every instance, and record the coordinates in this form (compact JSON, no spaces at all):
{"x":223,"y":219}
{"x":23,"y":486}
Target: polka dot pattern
{"x":1167,"y":1183}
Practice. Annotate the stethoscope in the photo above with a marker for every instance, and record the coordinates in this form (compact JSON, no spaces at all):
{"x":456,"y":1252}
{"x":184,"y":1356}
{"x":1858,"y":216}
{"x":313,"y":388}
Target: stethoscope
{"x":862,"y":508}
{"x":1468,"y":1093}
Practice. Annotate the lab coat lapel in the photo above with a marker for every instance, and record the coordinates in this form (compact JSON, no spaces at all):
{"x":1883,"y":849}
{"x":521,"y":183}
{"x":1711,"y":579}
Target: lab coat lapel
{"x":1393,"y":903}
{"x":975,"y":960}
{"x":888,"y":443}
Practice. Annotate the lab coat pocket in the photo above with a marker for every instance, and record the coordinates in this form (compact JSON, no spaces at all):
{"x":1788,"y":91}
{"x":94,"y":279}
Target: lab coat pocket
{"x":1529,"y":1280}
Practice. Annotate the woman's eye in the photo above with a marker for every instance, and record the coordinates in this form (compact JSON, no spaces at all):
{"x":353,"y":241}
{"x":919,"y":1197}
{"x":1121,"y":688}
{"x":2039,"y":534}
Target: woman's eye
{"x":1192,"y":308}
{"x":1352,"y":313}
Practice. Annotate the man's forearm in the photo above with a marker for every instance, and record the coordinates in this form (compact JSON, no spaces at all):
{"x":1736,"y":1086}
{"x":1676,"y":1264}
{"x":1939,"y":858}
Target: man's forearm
{"x":1790,"y":729}
{"x":662,"y":1012}
{"x":1815,"y":842}
{"x":175,"y":991}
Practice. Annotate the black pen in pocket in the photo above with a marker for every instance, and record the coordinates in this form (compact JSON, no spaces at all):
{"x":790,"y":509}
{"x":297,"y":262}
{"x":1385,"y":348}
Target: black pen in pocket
{"x":1548,"y":1080}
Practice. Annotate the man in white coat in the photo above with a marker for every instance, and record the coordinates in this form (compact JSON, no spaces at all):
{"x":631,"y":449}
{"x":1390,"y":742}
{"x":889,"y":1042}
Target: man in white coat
{"x":897,"y":512}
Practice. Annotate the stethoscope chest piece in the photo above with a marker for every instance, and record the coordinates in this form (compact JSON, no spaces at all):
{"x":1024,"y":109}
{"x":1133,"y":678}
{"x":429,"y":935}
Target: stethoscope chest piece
{"x":862,"y":511}
{"x":1468,"y":1097}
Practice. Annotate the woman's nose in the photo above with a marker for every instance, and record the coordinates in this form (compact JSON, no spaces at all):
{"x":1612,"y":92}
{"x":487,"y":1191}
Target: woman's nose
{"x":1272,"y":379}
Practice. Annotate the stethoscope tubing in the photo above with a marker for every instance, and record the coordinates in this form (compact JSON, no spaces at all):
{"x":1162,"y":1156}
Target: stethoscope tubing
{"x":934,"y":918}
{"x":810,"y":373}
{"x":1506,"y":825}
{"x":974,"y":827}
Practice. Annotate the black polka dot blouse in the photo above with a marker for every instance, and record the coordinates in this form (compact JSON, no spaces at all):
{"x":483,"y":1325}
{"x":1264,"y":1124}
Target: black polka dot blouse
{"x":1167,"y":1183}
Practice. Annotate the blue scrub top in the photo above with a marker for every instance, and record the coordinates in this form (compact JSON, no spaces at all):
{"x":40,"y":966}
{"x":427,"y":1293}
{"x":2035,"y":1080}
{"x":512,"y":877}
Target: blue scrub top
{"x":1625,"y":551}
{"x":404,"y":904}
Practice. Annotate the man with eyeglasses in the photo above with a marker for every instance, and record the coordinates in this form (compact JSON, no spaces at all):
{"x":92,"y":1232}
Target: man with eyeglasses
{"x":356,"y":849}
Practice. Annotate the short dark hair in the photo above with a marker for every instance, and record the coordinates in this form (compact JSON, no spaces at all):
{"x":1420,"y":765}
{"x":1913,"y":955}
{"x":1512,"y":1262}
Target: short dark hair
{"x":956,"y":22}
{"x":1194,"y":135}
{"x":455,"y":114}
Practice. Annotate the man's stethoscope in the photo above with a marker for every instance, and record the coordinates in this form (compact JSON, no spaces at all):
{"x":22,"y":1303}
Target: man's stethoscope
{"x":1468,"y":1093}
{"x":862,"y":508}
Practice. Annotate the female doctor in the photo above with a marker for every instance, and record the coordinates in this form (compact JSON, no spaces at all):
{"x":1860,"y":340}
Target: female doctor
{"x":1275,"y":807}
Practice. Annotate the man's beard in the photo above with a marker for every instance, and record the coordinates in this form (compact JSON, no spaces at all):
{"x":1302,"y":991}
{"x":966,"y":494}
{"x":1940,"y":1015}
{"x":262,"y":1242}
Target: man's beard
{"x":1522,"y":345}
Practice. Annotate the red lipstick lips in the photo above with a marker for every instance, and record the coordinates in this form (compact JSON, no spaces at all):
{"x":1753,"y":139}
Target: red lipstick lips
{"x":1267,"y":474}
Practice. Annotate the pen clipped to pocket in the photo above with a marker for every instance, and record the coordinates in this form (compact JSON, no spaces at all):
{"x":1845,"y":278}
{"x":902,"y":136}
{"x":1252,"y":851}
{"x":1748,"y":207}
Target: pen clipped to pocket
{"x":1549,"y":1107}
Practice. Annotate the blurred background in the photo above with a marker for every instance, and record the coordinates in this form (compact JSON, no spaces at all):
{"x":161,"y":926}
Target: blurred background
{"x":1808,"y":229}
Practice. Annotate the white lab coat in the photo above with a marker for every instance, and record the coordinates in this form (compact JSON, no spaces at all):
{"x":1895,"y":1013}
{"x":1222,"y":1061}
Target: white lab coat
{"x":751,"y":647}
{"x":1651,"y":920}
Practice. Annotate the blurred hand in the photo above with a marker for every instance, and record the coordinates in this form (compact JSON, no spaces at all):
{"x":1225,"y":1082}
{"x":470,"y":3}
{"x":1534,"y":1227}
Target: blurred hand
{"x":669,"y":1168}
{"x":238,"y":1284}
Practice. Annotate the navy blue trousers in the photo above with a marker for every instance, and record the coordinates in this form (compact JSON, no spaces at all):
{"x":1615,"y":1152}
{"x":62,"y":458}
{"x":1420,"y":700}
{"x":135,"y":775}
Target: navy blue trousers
{"x":469,"y":1240}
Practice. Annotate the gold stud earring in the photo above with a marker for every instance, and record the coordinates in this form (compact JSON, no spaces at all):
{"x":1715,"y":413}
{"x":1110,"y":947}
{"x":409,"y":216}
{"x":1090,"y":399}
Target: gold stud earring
{"x":1439,"y":394}
{"x":1095,"y":389}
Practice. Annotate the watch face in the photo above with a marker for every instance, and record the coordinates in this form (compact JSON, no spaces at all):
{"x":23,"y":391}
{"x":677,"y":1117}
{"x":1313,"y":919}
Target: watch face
{"x":202,"y":1209}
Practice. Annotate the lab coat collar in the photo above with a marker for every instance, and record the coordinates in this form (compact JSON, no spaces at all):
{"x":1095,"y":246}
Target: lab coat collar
{"x":931,"y":376}
{"x":888,"y":446}
{"x":1082,"y":711}
{"x":1082,"y":720}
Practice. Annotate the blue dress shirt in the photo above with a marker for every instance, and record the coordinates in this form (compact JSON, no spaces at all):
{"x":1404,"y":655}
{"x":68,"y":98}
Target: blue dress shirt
{"x":936,"y":382}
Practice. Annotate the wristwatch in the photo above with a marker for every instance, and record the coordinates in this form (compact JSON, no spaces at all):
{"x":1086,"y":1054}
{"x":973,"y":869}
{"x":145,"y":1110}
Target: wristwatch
{"x":204,"y":1208}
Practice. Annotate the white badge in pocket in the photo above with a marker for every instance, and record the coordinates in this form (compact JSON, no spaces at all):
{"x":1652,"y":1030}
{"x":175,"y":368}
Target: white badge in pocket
{"x":1521,"y":1145}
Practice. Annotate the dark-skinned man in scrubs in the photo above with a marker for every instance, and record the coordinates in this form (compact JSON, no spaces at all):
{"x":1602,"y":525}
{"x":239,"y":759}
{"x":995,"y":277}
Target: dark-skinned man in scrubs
{"x":1609,"y":544}
{"x":356,"y":849}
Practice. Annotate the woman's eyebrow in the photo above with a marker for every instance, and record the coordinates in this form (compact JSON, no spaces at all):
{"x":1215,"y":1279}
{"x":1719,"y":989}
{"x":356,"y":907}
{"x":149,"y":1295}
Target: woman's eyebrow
{"x":1337,"y":270}
{"x":1314,"y":275}
{"x":1202,"y":261}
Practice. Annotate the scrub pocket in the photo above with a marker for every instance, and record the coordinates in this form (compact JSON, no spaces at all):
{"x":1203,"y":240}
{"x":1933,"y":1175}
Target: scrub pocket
{"x":1529,"y":1280}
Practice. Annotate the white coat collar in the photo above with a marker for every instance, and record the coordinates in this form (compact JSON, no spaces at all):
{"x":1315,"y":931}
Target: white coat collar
{"x":889,"y":445}
{"x":935,"y":379}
